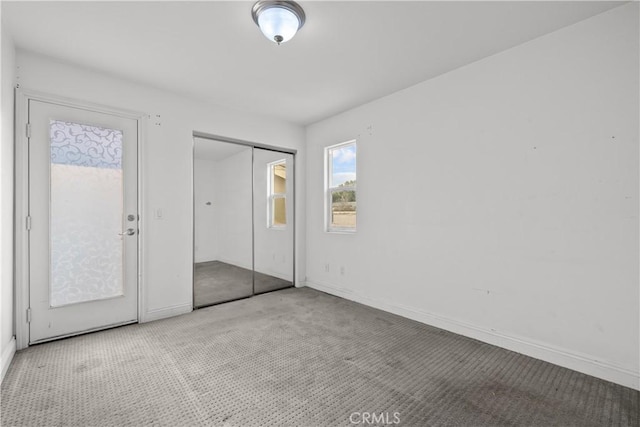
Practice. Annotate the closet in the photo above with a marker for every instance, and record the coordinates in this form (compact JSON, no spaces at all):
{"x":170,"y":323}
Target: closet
{"x":243,"y":219}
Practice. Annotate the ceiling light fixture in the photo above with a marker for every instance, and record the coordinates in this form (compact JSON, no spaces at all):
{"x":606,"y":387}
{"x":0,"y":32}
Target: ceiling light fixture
{"x":278,"y":20}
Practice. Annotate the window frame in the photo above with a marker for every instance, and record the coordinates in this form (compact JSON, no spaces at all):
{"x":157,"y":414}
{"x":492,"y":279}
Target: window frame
{"x":272,"y":195}
{"x":328,"y":158}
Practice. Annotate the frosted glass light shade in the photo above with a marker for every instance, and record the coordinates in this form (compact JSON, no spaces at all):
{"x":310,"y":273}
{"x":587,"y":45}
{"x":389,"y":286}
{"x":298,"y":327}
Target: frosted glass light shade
{"x":279,"y":20}
{"x":278,"y":24}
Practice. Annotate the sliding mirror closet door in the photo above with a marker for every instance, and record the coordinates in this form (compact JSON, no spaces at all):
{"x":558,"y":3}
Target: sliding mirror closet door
{"x":273,"y":220}
{"x":223,"y":241}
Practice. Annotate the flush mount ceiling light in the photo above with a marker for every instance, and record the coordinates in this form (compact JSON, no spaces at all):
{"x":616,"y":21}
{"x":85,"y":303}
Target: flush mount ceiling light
{"x":278,"y":20}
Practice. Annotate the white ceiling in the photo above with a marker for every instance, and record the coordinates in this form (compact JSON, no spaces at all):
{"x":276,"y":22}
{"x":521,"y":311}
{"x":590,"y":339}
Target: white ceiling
{"x":348,"y":53}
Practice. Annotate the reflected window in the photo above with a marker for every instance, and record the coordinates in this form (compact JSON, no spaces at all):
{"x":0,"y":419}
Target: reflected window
{"x":341,"y":187}
{"x":277,"y":191}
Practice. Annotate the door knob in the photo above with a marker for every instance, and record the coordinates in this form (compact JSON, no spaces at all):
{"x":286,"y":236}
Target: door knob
{"x":128,"y":232}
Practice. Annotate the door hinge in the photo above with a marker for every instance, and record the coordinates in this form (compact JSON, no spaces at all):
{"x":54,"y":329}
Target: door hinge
{"x":28,"y":222}
{"x":29,"y":315}
{"x":28,"y":130}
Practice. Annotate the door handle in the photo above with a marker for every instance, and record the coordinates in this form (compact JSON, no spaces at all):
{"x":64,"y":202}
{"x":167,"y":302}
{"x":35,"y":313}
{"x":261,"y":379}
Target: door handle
{"x":128,"y":232}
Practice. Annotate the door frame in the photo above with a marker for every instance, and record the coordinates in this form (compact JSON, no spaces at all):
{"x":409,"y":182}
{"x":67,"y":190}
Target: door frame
{"x":21,"y":198}
{"x":252,"y":145}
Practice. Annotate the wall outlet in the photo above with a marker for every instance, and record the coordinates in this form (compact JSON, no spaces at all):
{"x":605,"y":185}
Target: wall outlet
{"x":342,"y":270}
{"x":157,"y":213}
{"x":326,"y":268}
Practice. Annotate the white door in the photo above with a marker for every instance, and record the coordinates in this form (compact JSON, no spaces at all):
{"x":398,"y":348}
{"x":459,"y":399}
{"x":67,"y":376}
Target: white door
{"x":83,"y":239}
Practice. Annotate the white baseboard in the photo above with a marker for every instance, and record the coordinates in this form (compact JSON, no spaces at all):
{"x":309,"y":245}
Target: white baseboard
{"x":7,"y":356}
{"x":164,"y":312}
{"x":236,"y":263}
{"x":561,"y":357}
{"x":276,"y":274}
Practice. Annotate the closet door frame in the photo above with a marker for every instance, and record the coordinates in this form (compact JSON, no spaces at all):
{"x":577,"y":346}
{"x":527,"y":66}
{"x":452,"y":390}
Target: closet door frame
{"x":252,"y":145}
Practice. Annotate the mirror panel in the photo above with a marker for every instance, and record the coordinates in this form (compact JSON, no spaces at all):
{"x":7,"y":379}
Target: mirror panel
{"x":273,"y":220}
{"x":223,"y":253}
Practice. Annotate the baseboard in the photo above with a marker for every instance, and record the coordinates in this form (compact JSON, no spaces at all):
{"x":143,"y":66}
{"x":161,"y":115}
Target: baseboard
{"x":235,"y":263}
{"x":7,"y":356}
{"x":276,"y":274}
{"x":163,"y":313}
{"x":268,"y":272}
{"x":561,"y":357}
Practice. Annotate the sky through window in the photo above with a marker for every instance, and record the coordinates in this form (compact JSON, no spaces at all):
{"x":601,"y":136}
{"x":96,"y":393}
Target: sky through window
{"x":343,"y":166}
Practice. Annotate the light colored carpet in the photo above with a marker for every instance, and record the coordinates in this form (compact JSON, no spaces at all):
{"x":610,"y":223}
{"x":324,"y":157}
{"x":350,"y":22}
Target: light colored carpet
{"x":297,"y":357}
{"x":216,"y":281}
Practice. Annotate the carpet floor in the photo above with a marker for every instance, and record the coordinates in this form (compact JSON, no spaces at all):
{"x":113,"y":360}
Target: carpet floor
{"x":298,"y":357}
{"x":216,"y":281}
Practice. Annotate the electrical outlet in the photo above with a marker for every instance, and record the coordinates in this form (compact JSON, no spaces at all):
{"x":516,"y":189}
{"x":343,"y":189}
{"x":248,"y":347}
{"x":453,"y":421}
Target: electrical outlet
{"x":342,"y":270}
{"x":326,"y":268}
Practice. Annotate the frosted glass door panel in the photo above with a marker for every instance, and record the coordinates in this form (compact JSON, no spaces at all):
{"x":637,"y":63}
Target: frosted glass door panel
{"x":86,"y":213}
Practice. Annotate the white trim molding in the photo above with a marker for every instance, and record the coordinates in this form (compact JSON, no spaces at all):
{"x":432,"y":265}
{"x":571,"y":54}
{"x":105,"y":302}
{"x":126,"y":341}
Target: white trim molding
{"x":7,"y":357}
{"x":165,"y":312}
{"x":548,"y":353}
{"x":21,"y":206}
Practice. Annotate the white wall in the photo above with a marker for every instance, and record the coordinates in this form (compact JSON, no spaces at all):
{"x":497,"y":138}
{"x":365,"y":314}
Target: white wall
{"x":166,"y":264}
{"x":206,"y":221}
{"x":7,"y":342}
{"x":500,"y":200}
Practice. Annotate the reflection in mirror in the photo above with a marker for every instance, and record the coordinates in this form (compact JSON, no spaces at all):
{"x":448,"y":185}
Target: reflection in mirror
{"x":273,"y":231}
{"x":277,"y":210}
{"x":222,"y":222}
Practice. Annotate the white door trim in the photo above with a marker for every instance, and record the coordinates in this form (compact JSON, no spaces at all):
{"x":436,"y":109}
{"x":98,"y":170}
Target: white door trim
{"x":22,"y":199}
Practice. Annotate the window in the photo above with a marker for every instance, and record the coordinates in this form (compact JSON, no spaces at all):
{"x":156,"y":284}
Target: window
{"x":341,"y":187}
{"x":277,"y":191}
